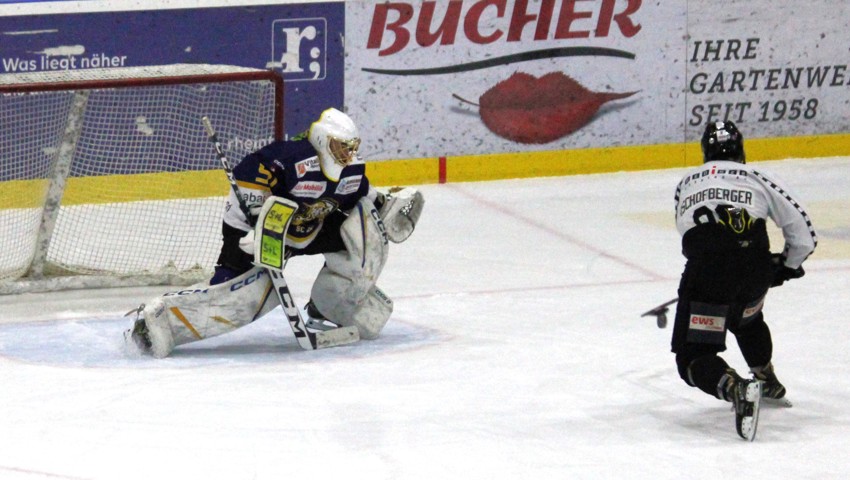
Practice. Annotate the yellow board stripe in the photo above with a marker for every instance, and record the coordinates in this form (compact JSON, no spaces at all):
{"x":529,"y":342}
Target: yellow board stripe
{"x":500,"y":166}
{"x":145,"y":186}
{"x":23,"y":193}
{"x":462,"y":168}
{"x":177,"y":313}
{"x":118,"y":188}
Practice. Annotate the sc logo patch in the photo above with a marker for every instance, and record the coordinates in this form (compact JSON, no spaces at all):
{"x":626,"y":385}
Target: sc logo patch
{"x":299,"y":48}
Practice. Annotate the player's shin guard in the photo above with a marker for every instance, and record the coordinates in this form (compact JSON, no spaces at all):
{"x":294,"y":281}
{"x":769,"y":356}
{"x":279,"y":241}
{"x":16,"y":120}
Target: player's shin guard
{"x":705,"y":373}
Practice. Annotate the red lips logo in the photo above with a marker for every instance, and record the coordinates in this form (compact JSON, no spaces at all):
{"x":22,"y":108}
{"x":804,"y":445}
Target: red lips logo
{"x":527,"y":109}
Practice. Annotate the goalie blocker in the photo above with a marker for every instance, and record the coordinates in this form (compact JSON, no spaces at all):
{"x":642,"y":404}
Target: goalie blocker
{"x":344,"y":291}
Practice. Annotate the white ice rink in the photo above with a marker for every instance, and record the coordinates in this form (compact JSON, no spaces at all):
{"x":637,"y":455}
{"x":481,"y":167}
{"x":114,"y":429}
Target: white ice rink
{"x":516,"y":351}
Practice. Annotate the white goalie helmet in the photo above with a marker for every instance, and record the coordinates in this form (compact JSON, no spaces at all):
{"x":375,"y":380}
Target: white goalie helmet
{"x":336,"y":139}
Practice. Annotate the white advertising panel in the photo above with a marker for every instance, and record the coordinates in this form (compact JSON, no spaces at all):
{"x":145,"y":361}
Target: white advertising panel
{"x":464,"y":77}
{"x":777,"y":68}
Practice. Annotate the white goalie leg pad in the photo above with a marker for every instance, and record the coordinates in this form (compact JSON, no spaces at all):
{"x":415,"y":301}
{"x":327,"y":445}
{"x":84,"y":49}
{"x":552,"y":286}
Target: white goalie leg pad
{"x":401,"y":212}
{"x":344,"y":291}
{"x":372,"y":314}
{"x":204,"y":311}
{"x":369,"y":315}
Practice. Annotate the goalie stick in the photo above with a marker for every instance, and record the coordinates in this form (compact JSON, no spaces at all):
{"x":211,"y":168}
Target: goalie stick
{"x":306,"y":339}
{"x":225,"y":163}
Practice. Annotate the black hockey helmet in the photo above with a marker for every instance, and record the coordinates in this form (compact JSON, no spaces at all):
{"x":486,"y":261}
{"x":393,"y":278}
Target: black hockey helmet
{"x":722,"y":141}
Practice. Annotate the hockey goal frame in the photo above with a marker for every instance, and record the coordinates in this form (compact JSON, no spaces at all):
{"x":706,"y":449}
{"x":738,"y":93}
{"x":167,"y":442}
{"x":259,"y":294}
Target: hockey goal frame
{"x":81,"y":83}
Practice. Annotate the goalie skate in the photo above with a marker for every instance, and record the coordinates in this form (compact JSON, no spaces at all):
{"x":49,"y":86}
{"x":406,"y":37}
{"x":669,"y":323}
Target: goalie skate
{"x":315,"y":321}
{"x":136,"y":338}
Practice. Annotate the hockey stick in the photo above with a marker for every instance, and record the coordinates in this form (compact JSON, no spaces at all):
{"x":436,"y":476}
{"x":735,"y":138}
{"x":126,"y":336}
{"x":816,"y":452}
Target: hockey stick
{"x":306,"y":339}
{"x":660,"y":313}
{"x":270,"y":253}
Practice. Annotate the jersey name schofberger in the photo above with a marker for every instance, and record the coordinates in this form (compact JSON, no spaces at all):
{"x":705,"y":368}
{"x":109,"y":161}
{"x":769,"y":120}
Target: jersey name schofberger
{"x":712,"y":185}
{"x":727,"y":195}
{"x":719,"y":185}
{"x":291,"y":169}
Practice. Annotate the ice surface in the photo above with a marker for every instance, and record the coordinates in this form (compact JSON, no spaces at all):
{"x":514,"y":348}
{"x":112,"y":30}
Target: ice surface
{"x":516,"y":351}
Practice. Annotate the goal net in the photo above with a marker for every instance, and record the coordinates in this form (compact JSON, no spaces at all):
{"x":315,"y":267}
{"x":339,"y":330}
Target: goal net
{"x":108,"y":176}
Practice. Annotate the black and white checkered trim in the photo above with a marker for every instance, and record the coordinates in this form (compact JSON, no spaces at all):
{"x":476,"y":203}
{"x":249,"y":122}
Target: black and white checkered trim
{"x":791,"y":200}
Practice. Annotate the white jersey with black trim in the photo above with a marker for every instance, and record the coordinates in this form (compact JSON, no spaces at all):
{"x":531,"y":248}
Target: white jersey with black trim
{"x":720,"y":184}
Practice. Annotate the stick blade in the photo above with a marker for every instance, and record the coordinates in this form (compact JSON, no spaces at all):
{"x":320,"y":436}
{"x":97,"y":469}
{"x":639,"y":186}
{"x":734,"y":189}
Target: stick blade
{"x":337,"y":337}
{"x":659,"y":309}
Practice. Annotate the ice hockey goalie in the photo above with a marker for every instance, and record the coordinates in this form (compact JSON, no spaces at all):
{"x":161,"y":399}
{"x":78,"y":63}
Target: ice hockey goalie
{"x":337,"y":214}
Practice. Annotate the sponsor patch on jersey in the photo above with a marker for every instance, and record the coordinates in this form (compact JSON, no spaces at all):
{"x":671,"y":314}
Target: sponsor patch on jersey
{"x":309,"y":165}
{"x":707,"y":323}
{"x":752,"y":309}
{"x":309,"y":189}
{"x":349,"y":185}
{"x":253,"y":198}
{"x":714,"y":171}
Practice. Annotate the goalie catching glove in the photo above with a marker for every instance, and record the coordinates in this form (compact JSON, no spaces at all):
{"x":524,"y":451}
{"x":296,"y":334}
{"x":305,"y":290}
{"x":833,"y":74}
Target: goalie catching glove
{"x":400,"y":212}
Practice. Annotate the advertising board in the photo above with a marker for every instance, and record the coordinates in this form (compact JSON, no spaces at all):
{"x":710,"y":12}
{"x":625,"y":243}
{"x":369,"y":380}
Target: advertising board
{"x":574,"y":85}
{"x":446,"y":78}
{"x":303,"y":41}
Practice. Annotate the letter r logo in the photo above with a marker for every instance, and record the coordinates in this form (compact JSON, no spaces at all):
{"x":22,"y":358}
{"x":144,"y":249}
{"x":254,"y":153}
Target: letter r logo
{"x":299,"y":48}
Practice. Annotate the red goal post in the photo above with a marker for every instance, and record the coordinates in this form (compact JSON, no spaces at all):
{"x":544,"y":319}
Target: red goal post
{"x":108,"y":177}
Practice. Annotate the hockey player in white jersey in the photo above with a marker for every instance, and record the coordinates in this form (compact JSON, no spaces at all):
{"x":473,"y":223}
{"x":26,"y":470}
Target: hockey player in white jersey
{"x":337,"y":213}
{"x":721,"y":212}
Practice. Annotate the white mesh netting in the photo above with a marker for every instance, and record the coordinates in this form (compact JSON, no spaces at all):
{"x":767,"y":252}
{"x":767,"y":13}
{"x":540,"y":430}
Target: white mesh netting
{"x":143,"y":191}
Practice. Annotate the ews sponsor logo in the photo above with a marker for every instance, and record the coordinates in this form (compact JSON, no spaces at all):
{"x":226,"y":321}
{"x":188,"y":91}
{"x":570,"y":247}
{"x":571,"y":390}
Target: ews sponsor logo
{"x":707,"y":323}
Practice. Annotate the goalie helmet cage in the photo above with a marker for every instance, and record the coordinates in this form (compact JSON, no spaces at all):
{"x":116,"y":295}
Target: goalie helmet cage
{"x":108,"y":176}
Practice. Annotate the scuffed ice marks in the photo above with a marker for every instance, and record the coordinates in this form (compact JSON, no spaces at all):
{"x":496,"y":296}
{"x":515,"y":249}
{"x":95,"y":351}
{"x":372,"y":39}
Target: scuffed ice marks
{"x":99,"y":343}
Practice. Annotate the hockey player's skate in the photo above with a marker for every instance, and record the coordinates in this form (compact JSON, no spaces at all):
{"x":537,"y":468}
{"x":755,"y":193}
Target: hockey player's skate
{"x":745,"y":395}
{"x":773,"y":392}
{"x":137,"y":337}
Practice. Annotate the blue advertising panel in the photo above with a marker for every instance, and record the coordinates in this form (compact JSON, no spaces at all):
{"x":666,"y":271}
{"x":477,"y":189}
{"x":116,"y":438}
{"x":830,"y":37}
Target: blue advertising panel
{"x":302,"y":41}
